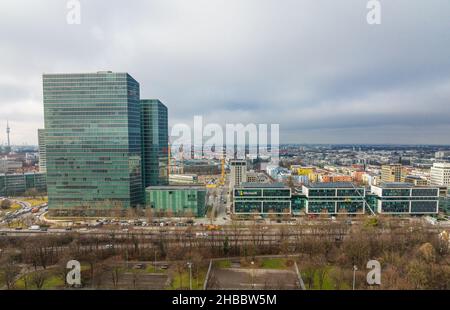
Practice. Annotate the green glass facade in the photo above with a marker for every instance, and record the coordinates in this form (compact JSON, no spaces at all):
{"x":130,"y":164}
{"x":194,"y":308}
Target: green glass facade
{"x":334,"y":198}
{"x":155,"y":143}
{"x":403,"y":198}
{"x":177,"y":200}
{"x":18,"y":184}
{"x":263,"y":199}
{"x":298,"y":203}
{"x":93,"y":140}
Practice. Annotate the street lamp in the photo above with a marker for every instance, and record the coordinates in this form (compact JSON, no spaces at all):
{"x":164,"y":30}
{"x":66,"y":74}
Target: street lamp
{"x":354,"y":275}
{"x":189,"y":264}
{"x":253,"y":276}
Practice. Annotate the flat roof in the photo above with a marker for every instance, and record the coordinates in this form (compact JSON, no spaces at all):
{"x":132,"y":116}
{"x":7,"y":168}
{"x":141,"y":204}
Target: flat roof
{"x":332,"y":185}
{"x":396,"y":185}
{"x":175,"y":187}
{"x":19,"y":174}
{"x":441,"y":165}
{"x":402,"y":185}
{"x":261,"y":185}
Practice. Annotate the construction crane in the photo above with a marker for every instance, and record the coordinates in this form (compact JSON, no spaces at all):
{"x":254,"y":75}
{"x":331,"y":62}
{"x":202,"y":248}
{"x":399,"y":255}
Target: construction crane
{"x":222,"y":174}
{"x":364,"y":199}
{"x":168,"y":158}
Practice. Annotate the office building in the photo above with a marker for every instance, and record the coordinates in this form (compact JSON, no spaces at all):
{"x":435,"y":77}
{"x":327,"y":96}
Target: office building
{"x":201,"y":167}
{"x":416,"y":180}
{"x":440,"y":174}
{"x":8,"y":165}
{"x":42,"y":151}
{"x":262,"y":199}
{"x":176,"y":200}
{"x":334,"y":198}
{"x":442,"y":155}
{"x":405,"y":198}
{"x":336,"y":178}
{"x":238,"y":172}
{"x":392,"y":173}
{"x":19,"y":183}
{"x":93,"y":141}
{"x":183,"y":179}
{"x":256,"y":177}
{"x":155,"y":143}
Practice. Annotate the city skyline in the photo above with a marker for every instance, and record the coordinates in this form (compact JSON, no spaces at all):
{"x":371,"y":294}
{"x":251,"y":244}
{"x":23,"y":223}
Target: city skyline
{"x":328,"y":79}
{"x":224,"y":152}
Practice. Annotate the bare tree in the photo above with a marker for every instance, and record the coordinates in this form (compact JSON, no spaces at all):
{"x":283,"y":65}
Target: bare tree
{"x":38,"y":278}
{"x":9,"y":270}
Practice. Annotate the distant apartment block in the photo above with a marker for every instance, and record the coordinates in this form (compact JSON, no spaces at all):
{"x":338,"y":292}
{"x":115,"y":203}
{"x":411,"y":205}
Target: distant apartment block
{"x":256,"y":177}
{"x":442,"y":154}
{"x":8,"y":165}
{"x":392,"y":173}
{"x":200,"y":167}
{"x":416,"y":180}
{"x":336,"y":178}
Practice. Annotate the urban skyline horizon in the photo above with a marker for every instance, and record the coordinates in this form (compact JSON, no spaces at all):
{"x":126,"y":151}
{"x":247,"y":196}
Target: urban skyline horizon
{"x":8,"y":126}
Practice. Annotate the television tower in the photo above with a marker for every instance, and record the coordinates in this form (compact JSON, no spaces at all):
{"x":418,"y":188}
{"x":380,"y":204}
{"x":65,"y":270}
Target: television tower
{"x":8,"y":130}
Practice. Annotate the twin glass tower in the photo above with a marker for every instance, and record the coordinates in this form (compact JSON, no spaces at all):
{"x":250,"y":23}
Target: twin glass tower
{"x":103,"y":144}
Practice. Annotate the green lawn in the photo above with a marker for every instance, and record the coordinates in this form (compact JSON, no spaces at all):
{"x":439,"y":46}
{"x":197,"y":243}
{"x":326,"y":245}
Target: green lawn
{"x":328,"y":282}
{"x":52,"y":281}
{"x":152,"y":269}
{"x":197,"y":284}
{"x":223,"y":263}
{"x":273,"y":263}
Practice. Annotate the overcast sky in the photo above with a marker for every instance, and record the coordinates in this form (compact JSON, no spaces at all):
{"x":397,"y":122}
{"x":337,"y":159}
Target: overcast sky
{"x":313,"y":66}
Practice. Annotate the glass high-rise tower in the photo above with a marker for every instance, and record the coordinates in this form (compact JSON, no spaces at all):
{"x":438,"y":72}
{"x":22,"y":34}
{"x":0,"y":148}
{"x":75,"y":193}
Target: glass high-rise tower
{"x":155,"y":142}
{"x":93,"y":140}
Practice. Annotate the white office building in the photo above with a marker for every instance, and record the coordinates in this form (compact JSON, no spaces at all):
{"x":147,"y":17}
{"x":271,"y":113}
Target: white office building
{"x":42,"y":151}
{"x":238,"y":172}
{"x":440,"y":174}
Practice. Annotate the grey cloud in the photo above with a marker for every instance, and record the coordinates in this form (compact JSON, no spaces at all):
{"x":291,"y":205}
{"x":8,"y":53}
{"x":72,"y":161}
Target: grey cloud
{"x":313,"y":66}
